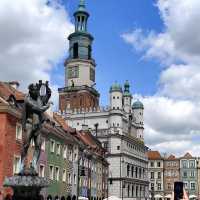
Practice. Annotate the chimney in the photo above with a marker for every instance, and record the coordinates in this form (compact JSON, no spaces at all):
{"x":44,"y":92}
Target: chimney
{"x":14,"y":84}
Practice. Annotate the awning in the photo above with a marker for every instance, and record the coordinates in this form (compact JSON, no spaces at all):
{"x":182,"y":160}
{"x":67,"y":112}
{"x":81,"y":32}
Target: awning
{"x":112,"y":198}
{"x":158,"y":196}
{"x":82,"y":198}
{"x":192,"y":196}
{"x":169,"y":196}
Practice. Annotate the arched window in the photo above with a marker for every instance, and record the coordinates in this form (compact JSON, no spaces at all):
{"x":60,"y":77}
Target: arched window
{"x":128,"y":190}
{"x":140,"y":173}
{"x":132,"y":190}
{"x":128,"y":169}
{"x":136,"y":172}
{"x":132,"y":171}
{"x":49,"y":197}
{"x":75,"y":50}
{"x":89,"y":51}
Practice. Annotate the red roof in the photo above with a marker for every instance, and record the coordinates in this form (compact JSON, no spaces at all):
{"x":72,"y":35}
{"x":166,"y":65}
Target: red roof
{"x":187,"y":155}
{"x":6,"y":90}
{"x":171,"y":157}
{"x":154,"y":155}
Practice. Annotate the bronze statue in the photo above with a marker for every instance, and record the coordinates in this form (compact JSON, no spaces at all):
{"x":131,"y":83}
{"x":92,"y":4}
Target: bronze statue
{"x":35,"y":104}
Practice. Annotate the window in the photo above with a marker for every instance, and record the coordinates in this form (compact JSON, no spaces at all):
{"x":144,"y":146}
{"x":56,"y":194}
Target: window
{"x":52,"y":146}
{"x":75,"y":179}
{"x":51,"y":172}
{"x":185,"y":185}
{"x":159,"y":175}
{"x":58,"y":149}
{"x":73,"y":72}
{"x":18,"y":131}
{"x":192,"y":163}
{"x":132,"y":171}
{"x":132,"y":190}
{"x":184,"y":163}
{"x":16,"y":164}
{"x":75,"y":156}
{"x":75,"y":50}
{"x":159,"y":186}
{"x":192,"y":186}
{"x":192,"y":174}
{"x":64,"y":175}
{"x":169,"y":186}
{"x":70,"y":155}
{"x":92,"y":74}
{"x":43,"y":144}
{"x":65,"y":152}
{"x":117,"y":97}
{"x":41,"y":170}
{"x":118,"y":147}
{"x":69,"y":179}
{"x":152,"y":186}
{"x":57,"y":173}
{"x":136,"y":191}
{"x":136,"y":172}
{"x":185,"y":174}
{"x":128,"y":169}
{"x":128,"y":190}
{"x":152,"y":164}
{"x":89,"y":51}
{"x":158,"y":164}
{"x":152,"y":175}
{"x":140,"y":172}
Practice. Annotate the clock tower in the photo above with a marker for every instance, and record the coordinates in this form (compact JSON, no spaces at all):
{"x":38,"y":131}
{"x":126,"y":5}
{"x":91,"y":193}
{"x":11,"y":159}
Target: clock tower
{"x":79,"y":91}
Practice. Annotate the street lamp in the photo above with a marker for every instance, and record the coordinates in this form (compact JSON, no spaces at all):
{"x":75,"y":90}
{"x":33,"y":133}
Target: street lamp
{"x":82,"y":174}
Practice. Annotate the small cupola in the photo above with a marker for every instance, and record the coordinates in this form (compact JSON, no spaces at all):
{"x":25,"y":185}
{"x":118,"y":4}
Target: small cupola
{"x":127,"y":89}
{"x":81,"y":17}
{"x":138,"y":105}
{"x":116,"y":88}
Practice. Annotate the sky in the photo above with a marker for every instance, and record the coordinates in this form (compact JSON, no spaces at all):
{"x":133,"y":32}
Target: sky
{"x":155,"y":44}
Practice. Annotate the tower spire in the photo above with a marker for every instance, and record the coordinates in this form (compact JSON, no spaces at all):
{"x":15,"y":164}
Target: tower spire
{"x":82,"y":3}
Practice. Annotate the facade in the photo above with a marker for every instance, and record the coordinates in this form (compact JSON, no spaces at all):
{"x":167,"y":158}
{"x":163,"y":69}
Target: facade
{"x":156,"y":175}
{"x":188,"y":174}
{"x":10,"y":134}
{"x":62,"y":151}
{"x":119,"y":126}
{"x":171,"y":174}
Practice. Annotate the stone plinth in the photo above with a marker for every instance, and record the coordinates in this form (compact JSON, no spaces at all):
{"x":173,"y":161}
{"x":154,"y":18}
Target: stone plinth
{"x":26,"y":187}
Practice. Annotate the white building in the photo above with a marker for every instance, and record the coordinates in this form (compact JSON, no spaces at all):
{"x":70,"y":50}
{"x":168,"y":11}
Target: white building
{"x":119,"y":126}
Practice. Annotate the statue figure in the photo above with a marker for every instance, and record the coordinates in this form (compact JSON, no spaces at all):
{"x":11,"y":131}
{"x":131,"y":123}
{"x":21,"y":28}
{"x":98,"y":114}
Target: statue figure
{"x":35,"y":104}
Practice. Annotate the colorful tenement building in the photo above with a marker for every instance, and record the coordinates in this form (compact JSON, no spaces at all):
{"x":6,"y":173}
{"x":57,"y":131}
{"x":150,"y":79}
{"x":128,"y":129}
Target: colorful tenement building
{"x":164,"y":171}
{"x":62,"y":152}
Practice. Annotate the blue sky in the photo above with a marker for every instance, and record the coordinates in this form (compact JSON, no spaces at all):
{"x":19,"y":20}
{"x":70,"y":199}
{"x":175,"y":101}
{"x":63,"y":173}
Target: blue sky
{"x":117,"y":61}
{"x":34,"y":37}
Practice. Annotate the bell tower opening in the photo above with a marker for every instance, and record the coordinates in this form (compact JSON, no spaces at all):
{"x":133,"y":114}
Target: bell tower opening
{"x":75,"y":50}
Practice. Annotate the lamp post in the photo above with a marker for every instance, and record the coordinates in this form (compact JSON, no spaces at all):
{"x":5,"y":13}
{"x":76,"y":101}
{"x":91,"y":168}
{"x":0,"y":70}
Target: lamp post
{"x":82,"y":170}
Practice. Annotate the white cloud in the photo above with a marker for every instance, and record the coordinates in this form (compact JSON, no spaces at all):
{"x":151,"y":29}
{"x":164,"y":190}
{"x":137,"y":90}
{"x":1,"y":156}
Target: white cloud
{"x":33,"y":38}
{"x":172,"y":114}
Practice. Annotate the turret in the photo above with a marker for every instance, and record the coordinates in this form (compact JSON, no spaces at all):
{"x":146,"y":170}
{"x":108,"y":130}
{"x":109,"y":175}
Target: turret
{"x":138,"y":109}
{"x":80,"y":67}
{"x":116,"y":97}
{"x":127,"y":97}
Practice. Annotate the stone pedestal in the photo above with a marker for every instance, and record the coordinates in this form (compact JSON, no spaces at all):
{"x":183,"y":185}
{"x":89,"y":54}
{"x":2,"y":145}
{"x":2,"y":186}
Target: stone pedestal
{"x":26,"y":186}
